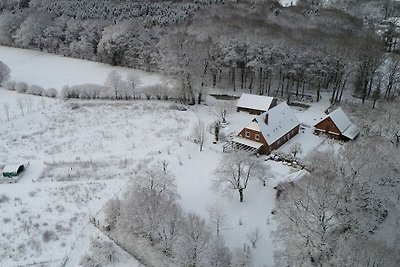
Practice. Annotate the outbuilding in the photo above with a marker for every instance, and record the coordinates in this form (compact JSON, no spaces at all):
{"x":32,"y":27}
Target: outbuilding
{"x":255,"y":104}
{"x":337,"y":125}
{"x":12,"y":171}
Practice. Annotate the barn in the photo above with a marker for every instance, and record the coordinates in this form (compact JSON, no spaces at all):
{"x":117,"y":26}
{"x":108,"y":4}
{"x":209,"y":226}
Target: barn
{"x":337,"y":125}
{"x":269,"y":130}
{"x":255,"y":104}
{"x":12,"y":171}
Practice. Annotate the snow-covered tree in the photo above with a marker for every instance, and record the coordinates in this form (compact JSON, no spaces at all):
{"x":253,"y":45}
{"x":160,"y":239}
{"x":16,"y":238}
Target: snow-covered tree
{"x":236,"y":170}
{"x":200,"y":134}
{"x":195,"y":243}
{"x":4,"y":72}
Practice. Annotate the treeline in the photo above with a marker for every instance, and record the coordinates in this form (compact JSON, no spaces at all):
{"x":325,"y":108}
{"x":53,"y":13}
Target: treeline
{"x":263,"y":48}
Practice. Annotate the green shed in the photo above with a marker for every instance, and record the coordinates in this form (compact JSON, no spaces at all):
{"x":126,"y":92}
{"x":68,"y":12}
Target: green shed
{"x":12,"y":171}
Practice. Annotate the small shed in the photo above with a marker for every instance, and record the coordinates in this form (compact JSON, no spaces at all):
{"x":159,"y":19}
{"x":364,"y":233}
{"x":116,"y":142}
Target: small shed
{"x":12,"y":171}
{"x":255,"y":104}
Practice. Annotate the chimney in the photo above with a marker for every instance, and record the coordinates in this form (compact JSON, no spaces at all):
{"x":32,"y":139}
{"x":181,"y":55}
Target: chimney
{"x":266,"y":118}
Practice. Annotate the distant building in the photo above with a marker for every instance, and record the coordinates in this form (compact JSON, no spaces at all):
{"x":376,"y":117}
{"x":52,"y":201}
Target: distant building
{"x":269,"y":131}
{"x":255,"y":104}
{"x":337,"y":125}
{"x":12,"y":171}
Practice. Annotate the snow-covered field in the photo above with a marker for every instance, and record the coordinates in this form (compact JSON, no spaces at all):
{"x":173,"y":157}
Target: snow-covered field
{"x":48,"y":70}
{"x":82,"y":153}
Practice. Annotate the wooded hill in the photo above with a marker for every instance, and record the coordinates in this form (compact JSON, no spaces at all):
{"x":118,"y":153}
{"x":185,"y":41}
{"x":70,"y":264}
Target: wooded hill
{"x":264,"y":48}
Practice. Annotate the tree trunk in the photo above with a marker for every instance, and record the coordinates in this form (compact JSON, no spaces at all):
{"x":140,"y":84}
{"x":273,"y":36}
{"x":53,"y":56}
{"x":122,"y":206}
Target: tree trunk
{"x":251,"y":81}
{"x":242,"y":78}
{"x":241,"y":194}
{"x":341,"y":91}
{"x":261,"y":81}
{"x":233,"y":78}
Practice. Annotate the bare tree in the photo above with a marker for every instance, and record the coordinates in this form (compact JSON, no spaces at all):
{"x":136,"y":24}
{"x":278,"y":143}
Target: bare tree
{"x":134,"y":82}
{"x":158,"y":180}
{"x":254,"y":236}
{"x":195,"y":242}
{"x":223,"y":109}
{"x":28,"y":103}
{"x":296,"y":149}
{"x":241,"y":257}
{"x":199,"y":133}
{"x":220,"y":255}
{"x":20,"y":104}
{"x":114,"y":83}
{"x":113,"y":211}
{"x":236,"y":169}
{"x":217,"y":218}
{"x":6,"y":109}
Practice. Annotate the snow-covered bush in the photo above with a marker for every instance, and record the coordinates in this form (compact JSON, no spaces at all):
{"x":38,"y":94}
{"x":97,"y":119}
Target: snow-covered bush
{"x":102,"y":253}
{"x":49,"y":236}
{"x":10,"y":85}
{"x":51,"y":92}
{"x":21,"y":87}
{"x":84,"y":91}
{"x":4,"y":198}
{"x":35,"y":90}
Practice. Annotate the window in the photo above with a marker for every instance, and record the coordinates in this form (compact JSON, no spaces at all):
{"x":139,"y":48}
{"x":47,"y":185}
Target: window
{"x":257,"y":137}
{"x":247,"y":134}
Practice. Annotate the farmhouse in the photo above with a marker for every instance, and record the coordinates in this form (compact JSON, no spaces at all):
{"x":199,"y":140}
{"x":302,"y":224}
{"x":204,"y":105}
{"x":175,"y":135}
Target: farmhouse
{"x":270,"y":130}
{"x":337,"y":125}
{"x":255,"y":104}
{"x":12,"y":171}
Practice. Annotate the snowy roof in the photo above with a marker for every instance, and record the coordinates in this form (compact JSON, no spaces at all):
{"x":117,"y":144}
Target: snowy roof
{"x":257,"y":102}
{"x":11,"y":168}
{"x":340,"y":119}
{"x":351,"y":132}
{"x":247,"y":142}
{"x":343,"y":123}
{"x":281,"y":120}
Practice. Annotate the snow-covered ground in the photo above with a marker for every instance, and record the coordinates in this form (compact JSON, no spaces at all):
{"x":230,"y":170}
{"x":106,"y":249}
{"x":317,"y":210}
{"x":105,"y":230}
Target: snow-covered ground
{"x":48,"y":70}
{"x":82,"y":153}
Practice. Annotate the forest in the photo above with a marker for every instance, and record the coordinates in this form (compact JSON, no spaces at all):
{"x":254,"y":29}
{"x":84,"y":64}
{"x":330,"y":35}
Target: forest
{"x":261,"y":46}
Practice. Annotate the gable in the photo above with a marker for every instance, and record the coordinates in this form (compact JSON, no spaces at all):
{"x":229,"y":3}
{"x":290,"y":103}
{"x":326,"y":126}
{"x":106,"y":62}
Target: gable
{"x":328,"y":125}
